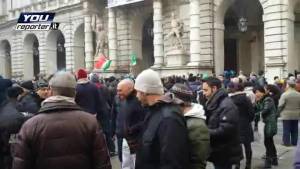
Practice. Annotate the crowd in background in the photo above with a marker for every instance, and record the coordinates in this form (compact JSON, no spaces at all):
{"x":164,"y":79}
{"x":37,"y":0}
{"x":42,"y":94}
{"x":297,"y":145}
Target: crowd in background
{"x":210,"y":118}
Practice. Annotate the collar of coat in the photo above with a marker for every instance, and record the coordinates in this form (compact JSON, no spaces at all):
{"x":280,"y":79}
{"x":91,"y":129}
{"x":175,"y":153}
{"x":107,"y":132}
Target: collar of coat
{"x":82,"y":81}
{"x":216,"y":99}
{"x":236,"y":93}
{"x":60,"y":103}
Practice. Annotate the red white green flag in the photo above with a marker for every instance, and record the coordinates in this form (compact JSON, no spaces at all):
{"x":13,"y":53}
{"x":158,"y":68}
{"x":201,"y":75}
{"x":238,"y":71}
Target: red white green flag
{"x":102,"y":63}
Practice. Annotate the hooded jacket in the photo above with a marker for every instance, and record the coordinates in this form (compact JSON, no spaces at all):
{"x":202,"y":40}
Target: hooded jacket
{"x":199,"y":139}
{"x":134,"y":115}
{"x":223,"y":123}
{"x":164,"y":143}
{"x":246,"y":116}
{"x":29,"y":103}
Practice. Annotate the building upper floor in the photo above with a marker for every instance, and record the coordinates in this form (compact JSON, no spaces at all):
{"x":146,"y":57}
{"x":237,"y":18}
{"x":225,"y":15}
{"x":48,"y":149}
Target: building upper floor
{"x":11,"y":9}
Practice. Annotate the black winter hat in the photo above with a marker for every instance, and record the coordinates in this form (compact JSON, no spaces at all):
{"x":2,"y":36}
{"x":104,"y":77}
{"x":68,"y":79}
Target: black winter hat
{"x":41,"y":85}
{"x":27,"y":85}
{"x":14,"y":92}
{"x":182,"y":92}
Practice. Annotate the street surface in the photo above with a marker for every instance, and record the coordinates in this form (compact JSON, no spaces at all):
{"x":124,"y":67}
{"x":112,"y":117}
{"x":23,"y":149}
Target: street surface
{"x":285,"y":154}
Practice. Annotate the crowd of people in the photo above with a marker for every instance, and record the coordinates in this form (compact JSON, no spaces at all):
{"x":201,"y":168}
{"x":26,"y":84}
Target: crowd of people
{"x":178,"y":122}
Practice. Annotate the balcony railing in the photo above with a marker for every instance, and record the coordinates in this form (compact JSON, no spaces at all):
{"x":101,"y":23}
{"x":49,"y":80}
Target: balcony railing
{"x":38,"y":7}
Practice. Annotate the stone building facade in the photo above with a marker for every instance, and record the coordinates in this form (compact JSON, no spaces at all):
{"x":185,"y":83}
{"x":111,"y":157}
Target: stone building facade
{"x":213,"y":36}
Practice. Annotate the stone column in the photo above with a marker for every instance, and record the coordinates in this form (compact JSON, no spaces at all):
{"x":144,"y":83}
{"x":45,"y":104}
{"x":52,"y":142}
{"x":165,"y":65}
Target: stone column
{"x":112,"y":38}
{"x":51,"y":59}
{"x":88,"y":39}
{"x":158,"y":33}
{"x":27,"y":64}
{"x":43,"y":53}
{"x":219,"y":48}
{"x":195,"y":56}
{"x":292,"y":58}
{"x":279,"y":42}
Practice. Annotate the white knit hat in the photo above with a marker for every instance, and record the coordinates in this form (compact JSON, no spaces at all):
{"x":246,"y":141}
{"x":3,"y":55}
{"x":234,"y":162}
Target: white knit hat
{"x":63,"y":79}
{"x":149,"y":82}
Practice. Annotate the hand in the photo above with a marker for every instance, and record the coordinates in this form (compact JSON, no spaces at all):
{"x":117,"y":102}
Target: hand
{"x":113,"y":137}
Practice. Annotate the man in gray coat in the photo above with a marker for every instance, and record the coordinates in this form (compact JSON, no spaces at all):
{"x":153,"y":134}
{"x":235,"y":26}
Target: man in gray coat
{"x":289,"y":109}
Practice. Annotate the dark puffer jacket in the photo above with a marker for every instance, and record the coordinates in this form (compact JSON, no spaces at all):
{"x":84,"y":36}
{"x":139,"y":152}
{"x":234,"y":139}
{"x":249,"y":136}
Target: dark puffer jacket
{"x":246,"y":115}
{"x":29,"y":103}
{"x":61,"y":136}
{"x":223,"y":124}
{"x":134,"y":118}
{"x":165,"y":140}
{"x":10,"y":123}
{"x":267,"y":109}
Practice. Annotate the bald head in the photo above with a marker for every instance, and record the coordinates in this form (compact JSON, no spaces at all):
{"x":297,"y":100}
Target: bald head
{"x":125,"y":88}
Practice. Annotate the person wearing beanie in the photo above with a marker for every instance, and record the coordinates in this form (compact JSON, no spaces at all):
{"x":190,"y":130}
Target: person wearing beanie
{"x":61,"y":135}
{"x":289,"y":108}
{"x":90,"y":98}
{"x":29,"y":101}
{"x":81,"y":74}
{"x":42,"y":91}
{"x":27,"y":85}
{"x":87,"y":96}
{"x":163,"y":124}
{"x":199,"y":139}
{"x":222,"y":122}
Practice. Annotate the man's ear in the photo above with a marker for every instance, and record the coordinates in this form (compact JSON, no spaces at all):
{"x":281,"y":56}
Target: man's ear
{"x":50,"y":92}
{"x":214,"y":89}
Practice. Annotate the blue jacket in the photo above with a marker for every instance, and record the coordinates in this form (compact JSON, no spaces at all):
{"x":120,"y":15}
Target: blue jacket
{"x":87,"y":97}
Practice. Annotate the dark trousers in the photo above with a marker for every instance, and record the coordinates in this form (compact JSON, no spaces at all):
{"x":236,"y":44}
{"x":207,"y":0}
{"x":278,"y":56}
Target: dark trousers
{"x":290,"y":132}
{"x":109,"y":142}
{"x":120,"y":142}
{"x":248,"y":151}
{"x":270,"y":147}
{"x":217,"y":166}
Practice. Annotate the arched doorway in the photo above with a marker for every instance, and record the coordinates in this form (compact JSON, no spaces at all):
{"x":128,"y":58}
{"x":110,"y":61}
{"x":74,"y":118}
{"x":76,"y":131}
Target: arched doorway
{"x":244,"y":37}
{"x":141,"y":36}
{"x":31,"y":57}
{"x":56,"y":56}
{"x":5,"y":59}
{"x":235,"y":47}
{"x":147,"y":43}
{"x":78,"y":48}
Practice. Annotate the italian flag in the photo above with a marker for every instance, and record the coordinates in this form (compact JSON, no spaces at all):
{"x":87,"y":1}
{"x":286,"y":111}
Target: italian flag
{"x":133,"y":59}
{"x":102,"y":63}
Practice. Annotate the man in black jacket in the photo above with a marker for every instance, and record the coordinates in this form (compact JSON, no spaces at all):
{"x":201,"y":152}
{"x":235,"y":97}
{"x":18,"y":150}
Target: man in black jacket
{"x":223,"y":123}
{"x":10,"y":123}
{"x":164,"y":144}
{"x":134,"y":115}
{"x":29,"y":101}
